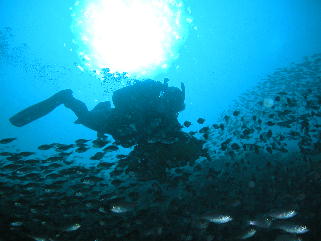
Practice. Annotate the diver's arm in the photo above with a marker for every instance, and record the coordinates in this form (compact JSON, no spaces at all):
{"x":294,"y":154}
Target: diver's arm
{"x":97,"y":118}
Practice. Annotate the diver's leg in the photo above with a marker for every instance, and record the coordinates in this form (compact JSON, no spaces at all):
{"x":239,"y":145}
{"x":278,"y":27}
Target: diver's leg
{"x":78,"y":107}
{"x":39,"y":110}
{"x":42,"y":108}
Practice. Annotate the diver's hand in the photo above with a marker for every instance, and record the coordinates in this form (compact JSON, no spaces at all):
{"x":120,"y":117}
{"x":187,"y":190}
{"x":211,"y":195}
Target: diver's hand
{"x":183,"y":87}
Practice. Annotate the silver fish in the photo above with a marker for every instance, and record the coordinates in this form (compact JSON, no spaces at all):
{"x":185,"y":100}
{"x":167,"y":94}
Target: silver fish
{"x":218,"y":218}
{"x":248,"y":233}
{"x":293,"y":228}
{"x":282,"y":214}
{"x":72,"y":227}
{"x":261,"y":222}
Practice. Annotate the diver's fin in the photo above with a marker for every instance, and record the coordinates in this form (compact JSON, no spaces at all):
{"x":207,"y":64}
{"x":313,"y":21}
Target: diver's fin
{"x":38,"y":110}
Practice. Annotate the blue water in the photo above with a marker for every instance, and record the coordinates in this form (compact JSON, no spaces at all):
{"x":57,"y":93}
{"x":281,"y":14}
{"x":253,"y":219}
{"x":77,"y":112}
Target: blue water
{"x":233,"y":46}
{"x":236,"y":44}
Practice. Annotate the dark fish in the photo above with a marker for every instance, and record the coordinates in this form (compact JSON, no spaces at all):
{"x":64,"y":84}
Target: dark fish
{"x":31,"y":161}
{"x":54,"y":158}
{"x":5,"y":154}
{"x":11,"y":166}
{"x":286,"y":124}
{"x":270,"y":123}
{"x":236,"y":113}
{"x":45,"y":147}
{"x":54,"y":165}
{"x":116,"y":182}
{"x":223,"y":146}
{"x":26,"y":153}
{"x":63,"y":147}
{"x":97,"y":156}
{"x":111,"y":148}
{"x":206,"y":136}
{"x":200,"y":120}
{"x":82,"y":149}
{"x":99,"y":143}
{"x":81,"y":141}
{"x":269,"y":149}
{"x":53,"y":176}
{"x":216,"y":126}
{"x":269,"y":134}
{"x":204,"y":129}
{"x":235,"y":146}
{"x":283,"y":149}
{"x":116,"y":172}
{"x":187,"y":123}
{"x":7,"y":140}
{"x":121,"y":156}
{"x":14,"y":157}
{"x":105,"y":164}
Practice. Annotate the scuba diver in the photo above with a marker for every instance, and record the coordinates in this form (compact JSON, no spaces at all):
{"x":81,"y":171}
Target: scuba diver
{"x":144,"y":116}
{"x":144,"y":112}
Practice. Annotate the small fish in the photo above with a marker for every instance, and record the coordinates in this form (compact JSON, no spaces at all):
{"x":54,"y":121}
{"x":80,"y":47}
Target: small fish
{"x":236,"y":113}
{"x":7,"y":140}
{"x":45,"y":147}
{"x":73,"y":227}
{"x":97,"y":156}
{"x":218,"y":218}
{"x":261,"y":222}
{"x":82,"y":149}
{"x":26,"y":153}
{"x":116,"y":182}
{"x":81,"y":141}
{"x":200,"y":120}
{"x":121,"y":207}
{"x":99,"y":143}
{"x":63,"y":147}
{"x":292,"y":228}
{"x":111,"y":148}
{"x":118,"y":209}
{"x":16,"y":224}
{"x":282,"y":214}
{"x":204,"y":129}
{"x":235,"y":146}
{"x":248,"y":233}
{"x":105,"y":164}
{"x":121,"y":156}
{"x":187,"y":123}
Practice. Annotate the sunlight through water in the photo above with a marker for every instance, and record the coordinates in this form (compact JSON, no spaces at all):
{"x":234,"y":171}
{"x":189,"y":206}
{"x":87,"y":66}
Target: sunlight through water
{"x":138,"y":37}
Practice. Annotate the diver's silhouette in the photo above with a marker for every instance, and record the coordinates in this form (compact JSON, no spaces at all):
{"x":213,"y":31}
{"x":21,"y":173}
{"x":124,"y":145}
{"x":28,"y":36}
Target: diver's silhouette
{"x":145,"y":112}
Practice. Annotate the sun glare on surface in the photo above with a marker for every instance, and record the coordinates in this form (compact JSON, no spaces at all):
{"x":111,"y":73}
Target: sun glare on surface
{"x":137,"y":37}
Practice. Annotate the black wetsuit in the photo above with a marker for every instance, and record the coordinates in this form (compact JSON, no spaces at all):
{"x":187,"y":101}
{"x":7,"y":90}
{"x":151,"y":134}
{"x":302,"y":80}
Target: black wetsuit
{"x":144,"y":113}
